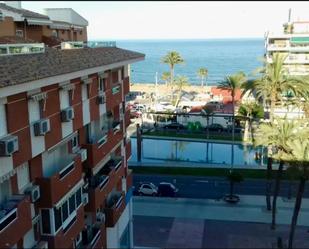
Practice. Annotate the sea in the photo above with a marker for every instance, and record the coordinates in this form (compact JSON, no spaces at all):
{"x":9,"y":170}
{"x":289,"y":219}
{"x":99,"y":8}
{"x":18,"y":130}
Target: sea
{"x":221,"y":57}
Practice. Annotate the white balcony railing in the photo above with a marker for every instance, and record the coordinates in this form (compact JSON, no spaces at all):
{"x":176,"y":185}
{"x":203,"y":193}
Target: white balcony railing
{"x":26,"y":48}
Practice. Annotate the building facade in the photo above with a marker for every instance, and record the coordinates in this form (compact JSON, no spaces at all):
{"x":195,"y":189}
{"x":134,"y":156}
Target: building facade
{"x":64,"y":180}
{"x":51,"y":28}
{"x":292,"y":42}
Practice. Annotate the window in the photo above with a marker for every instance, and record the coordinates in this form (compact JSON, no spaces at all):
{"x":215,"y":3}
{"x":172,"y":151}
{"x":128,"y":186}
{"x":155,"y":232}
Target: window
{"x":57,"y":217}
{"x":64,"y":209}
{"x":54,"y":33}
{"x":72,"y":204}
{"x":1,"y":16}
{"x":81,"y":32}
{"x":45,"y":221}
{"x":78,"y":197}
{"x":19,"y":33}
{"x":101,"y":84}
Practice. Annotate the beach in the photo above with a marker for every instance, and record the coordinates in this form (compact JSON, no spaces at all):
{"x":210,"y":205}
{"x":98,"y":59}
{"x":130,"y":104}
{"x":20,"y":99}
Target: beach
{"x":163,"y":89}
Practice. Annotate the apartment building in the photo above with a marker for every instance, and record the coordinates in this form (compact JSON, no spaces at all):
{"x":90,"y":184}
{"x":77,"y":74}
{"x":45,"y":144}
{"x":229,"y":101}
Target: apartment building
{"x":64,"y":180}
{"x":56,"y":26}
{"x":292,"y":42}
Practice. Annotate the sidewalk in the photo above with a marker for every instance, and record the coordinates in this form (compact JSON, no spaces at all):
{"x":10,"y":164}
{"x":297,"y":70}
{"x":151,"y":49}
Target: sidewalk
{"x":249,"y":209}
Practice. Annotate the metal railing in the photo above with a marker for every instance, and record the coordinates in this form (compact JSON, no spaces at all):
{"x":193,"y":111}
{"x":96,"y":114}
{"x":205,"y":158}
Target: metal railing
{"x":21,"y":48}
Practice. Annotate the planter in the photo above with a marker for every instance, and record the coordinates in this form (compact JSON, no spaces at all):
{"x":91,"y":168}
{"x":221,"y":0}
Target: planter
{"x":231,"y":198}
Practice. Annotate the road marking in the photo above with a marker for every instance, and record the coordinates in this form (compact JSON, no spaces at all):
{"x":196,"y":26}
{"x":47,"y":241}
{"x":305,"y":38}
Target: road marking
{"x":203,"y":181}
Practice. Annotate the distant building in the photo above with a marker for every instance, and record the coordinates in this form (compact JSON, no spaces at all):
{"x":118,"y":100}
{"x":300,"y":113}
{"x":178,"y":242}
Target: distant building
{"x":293,"y":42}
{"x":19,"y":25}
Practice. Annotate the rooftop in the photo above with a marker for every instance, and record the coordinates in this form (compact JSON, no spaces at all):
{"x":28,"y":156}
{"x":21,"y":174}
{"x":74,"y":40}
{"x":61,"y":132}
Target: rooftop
{"x":23,"y":12}
{"x":20,"y":69}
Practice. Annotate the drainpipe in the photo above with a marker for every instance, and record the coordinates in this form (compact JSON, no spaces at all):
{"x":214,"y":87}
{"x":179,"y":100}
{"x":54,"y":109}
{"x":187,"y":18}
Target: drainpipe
{"x":139,"y":142}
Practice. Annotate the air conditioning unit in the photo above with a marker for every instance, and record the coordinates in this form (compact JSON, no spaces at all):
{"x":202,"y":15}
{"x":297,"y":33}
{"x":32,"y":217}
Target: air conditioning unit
{"x":42,"y":245}
{"x":8,"y":145}
{"x":41,"y":127}
{"x":100,"y":217}
{"x":67,"y":114}
{"x":33,"y":192}
{"x":83,"y":154}
{"x":85,"y":198}
{"x":101,"y":99}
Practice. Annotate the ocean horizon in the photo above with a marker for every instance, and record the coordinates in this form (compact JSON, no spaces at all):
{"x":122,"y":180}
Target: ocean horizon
{"x":220,"y":56}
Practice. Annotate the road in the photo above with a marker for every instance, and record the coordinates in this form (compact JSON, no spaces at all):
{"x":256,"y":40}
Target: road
{"x":213,"y":187}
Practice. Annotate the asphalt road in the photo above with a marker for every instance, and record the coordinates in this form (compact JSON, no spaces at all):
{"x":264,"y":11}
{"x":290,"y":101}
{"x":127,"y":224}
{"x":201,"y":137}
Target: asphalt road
{"x":213,"y":187}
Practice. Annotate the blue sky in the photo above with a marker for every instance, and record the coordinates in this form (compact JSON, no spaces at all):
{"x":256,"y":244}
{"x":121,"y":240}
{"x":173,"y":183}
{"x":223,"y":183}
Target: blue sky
{"x":173,"y":20}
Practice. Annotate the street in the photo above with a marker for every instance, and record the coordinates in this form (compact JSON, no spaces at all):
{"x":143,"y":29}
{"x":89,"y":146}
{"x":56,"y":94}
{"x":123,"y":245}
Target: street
{"x":213,"y":187}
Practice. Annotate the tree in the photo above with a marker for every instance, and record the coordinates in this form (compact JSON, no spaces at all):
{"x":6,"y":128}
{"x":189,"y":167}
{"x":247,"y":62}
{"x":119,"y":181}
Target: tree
{"x":180,"y":82}
{"x":172,"y":58}
{"x":166,"y":76}
{"x":202,"y":73}
{"x":275,"y":82}
{"x":250,"y":110}
{"x":276,"y":135}
{"x":233,"y":83}
{"x":298,"y":156}
{"x":208,"y":110}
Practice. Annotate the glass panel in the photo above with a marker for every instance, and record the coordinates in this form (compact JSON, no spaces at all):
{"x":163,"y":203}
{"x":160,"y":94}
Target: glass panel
{"x":45,"y":221}
{"x":78,"y":197}
{"x":57,"y":217}
{"x":72,"y":204}
{"x":65,"y":212}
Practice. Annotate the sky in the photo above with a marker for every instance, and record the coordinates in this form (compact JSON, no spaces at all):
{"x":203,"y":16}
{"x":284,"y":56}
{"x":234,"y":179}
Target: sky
{"x":179,"y":20}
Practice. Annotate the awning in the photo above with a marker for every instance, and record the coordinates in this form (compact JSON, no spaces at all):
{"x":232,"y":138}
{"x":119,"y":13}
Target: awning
{"x":300,"y":40}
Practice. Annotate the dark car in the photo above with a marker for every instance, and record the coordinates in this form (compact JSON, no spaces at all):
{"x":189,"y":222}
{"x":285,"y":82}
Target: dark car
{"x":215,"y":127}
{"x":174,"y":126}
{"x":167,"y":189}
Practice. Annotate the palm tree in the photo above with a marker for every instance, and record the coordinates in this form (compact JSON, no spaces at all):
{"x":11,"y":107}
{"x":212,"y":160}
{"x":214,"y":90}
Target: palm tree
{"x":274,"y":82}
{"x":250,"y":110}
{"x":202,"y":73}
{"x":233,"y":177}
{"x":208,"y":110}
{"x":298,"y":155}
{"x":233,"y":83}
{"x":276,"y":135}
{"x":172,"y":58}
{"x":166,"y":76}
{"x":180,"y":82}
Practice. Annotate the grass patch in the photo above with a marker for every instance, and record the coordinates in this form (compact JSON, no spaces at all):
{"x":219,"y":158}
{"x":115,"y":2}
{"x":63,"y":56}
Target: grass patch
{"x":192,"y":135}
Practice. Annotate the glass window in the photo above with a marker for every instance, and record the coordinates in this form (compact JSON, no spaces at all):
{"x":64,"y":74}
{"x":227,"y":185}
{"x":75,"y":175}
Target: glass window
{"x":57,"y":217}
{"x":65,"y":212}
{"x":74,"y":143}
{"x":45,"y":221}
{"x":19,"y":33}
{"x":78,"y":197}
{"x":72,"y":204}
{"x":101,"y":84}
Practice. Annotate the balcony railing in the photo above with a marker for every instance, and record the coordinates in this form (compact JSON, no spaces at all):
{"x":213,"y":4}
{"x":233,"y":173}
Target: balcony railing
{"x":99,"y":180}
{"x":114,"y":163}
{"x":15,"y":219}
{"x":114,"y":208}
{"x":90,"y":236}
{"x":27,"y":48}
{"x":64,"y":166}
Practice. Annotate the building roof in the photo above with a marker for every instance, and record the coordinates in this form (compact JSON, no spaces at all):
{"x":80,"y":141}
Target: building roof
{"x":23,"y":12}
{"x":18,"y":69}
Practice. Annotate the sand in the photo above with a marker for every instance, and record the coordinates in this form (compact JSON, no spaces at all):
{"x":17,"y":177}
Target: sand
{"x":163,"y":89}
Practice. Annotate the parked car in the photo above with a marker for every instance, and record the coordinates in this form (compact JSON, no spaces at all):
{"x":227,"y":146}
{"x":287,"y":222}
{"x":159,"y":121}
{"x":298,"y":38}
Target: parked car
{"x":167,"y":189}
{"x":174,"y":126}
{"x":147,"y":189}
{"x":215,"y":127}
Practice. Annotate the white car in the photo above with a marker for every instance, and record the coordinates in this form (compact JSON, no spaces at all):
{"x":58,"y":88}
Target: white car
{"x":147,"y":189}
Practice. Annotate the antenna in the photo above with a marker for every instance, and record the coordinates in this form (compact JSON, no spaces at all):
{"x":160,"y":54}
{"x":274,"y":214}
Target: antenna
{"x":290,"y":10}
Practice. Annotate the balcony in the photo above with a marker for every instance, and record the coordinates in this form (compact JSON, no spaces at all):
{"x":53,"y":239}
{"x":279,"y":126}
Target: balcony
{"x":114,"y":208}
{"x":93,"y":236}
{"x":15,"y":220}
{"x":127,"y":119}
{"x":100,"y":186}
{"x":99,"y":150}
{"x":129,"y":179}
{"x":63,"y":177}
